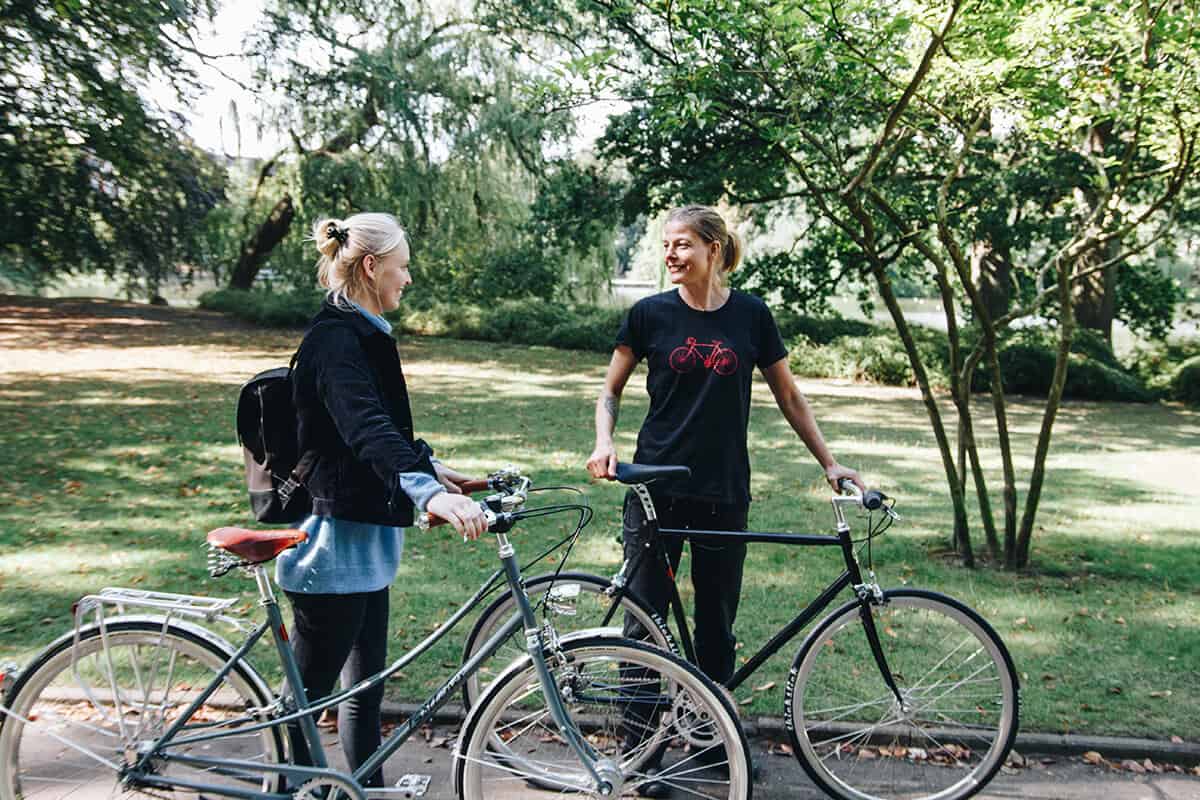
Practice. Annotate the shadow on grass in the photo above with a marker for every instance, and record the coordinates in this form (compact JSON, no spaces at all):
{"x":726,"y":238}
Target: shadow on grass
{"x":113,"y":478}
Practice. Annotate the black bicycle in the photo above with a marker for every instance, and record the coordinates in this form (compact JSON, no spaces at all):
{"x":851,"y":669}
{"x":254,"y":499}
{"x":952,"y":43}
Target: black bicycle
{"x":897,"y":694}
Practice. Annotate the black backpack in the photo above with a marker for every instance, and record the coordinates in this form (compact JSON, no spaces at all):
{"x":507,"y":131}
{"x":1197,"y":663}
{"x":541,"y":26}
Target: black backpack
{"x":266,"y":429}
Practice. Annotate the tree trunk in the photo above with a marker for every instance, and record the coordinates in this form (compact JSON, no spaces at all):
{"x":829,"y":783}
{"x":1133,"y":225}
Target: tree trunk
{"x":957,"y":491}
{"x":1020,"y":557}
{"x":260,"y":245}
{"x":1095,"y":295}
{"x":991,"y":267}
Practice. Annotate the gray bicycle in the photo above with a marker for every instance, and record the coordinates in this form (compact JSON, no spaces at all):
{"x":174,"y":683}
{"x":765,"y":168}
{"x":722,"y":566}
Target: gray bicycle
{"x":144,"y":696}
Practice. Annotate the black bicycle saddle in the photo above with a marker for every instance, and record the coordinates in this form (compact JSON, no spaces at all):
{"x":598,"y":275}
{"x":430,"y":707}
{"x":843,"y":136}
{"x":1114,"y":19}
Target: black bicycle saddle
{"x":645,"y":473}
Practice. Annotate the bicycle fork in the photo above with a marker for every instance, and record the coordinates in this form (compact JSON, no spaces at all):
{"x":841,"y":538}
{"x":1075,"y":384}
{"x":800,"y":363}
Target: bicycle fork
{"x":605,"y":774}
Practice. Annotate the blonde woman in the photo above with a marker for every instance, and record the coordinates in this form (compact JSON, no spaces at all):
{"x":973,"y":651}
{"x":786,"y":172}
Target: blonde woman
{"x":701,"y":341}
{"x":370,"y":475}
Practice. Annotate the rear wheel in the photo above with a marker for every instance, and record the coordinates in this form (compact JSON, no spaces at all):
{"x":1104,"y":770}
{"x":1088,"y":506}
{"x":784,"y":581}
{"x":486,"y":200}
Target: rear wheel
{"x":90,"y":706}
{"x":638,"y":707}
{"x":952,"y":727}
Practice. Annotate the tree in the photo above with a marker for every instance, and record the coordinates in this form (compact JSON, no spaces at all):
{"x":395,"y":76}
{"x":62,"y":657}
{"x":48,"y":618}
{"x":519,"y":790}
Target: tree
{"x":90,"y":176}
{"x":398,"y":107}
{"x":913,"y":135}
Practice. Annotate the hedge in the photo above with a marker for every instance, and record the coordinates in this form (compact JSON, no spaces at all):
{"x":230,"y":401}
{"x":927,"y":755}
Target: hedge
{"x":818,"y":347}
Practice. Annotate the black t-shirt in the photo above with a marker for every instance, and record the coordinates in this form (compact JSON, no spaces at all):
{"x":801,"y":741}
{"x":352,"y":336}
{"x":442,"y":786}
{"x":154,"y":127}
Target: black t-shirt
{"x":700,"y":366}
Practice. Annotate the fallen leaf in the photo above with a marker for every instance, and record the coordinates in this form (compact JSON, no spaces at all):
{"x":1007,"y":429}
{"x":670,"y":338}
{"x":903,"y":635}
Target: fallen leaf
{"x":1176,"y":740}
{"x":779,"y":749}
{"x":1196,"y":770}
{"x":1133,"y":766}
{"x":766,"y":687}
{"x":1119,"y":620}
{"x":1161,"y":694}
{"x":747,"y":701}
{"x":1046,"y":676}
{"x":1150,"y":766}
{"x":1083,"y":612}
{"x":1020,"y":621}
{"x":1092,"y":757}
{"x":1114,"y":690}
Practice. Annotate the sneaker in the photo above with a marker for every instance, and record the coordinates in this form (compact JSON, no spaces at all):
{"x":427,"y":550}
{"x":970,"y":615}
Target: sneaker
{"x":653,"y":787}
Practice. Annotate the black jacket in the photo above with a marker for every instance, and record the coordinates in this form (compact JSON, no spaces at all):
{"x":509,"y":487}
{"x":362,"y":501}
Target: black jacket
{"x":352,"y":407}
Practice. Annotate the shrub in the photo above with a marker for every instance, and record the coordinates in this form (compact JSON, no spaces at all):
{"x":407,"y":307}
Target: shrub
{"x":809,"y":360}
{"x":290,"y":309}
{"x":822,"y":330}
{"x":1156,"y":365}
{"x":1185,"y":385}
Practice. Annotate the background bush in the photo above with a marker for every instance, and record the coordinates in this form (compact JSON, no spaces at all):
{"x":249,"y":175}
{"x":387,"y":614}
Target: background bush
{"x":829,"y":347}
{"x":1185,"y":385}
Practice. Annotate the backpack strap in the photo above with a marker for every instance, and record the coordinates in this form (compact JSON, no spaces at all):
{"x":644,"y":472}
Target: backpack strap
{"x":299,"y":475}
{"x":310,"y":457}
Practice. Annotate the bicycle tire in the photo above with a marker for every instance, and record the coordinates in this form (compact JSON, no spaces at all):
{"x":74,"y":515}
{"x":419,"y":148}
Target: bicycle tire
{"x":591,"y":607}
{"x":601,"y":679}
{"x":955,"y":675}
{"x":111,"y":698}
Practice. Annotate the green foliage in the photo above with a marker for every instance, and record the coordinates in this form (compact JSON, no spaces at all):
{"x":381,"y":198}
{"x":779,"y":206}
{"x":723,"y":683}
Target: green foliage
{"x":1093,"y":372}
{"x":821,"y":330}
{"x":91,"y":177}
{"x":1156,"y":363}
{"x":528,"y":320}
{"x":1185,"y":385}
{"x":289,"y":309}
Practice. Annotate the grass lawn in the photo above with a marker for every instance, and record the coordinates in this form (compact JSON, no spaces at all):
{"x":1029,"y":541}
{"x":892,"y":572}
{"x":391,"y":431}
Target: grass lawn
{"x":117,"y":454}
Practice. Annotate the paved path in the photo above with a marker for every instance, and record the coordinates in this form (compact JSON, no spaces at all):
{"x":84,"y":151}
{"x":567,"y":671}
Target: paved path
{"x":1051,"y":777}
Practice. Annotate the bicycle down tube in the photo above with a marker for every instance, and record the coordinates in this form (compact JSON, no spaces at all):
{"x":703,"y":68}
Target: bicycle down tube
{"x":850,"y":577}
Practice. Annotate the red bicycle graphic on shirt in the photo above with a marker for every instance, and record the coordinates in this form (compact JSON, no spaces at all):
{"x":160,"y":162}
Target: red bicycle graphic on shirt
{"x":690,"y":355}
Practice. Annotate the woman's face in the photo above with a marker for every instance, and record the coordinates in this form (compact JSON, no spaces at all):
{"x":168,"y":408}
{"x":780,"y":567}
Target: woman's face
{"x":689,"y":258}
{"x":391,"y":277}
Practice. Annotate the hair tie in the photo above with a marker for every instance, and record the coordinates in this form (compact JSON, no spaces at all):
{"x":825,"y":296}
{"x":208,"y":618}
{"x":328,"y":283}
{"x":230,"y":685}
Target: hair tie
{"x":341,"y":234}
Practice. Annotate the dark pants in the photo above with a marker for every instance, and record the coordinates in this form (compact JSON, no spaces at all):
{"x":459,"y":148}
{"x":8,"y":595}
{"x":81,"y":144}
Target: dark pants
{"x":342,"y":634}
{"x":716,"y":573}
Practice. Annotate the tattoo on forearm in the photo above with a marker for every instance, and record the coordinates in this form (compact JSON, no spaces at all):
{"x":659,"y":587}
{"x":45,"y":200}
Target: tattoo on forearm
{"x":613,"y":406}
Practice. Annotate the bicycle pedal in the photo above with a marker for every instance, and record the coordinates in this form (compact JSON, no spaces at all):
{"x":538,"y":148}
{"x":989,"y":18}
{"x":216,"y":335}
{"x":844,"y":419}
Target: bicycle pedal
{"x":411,"y":785}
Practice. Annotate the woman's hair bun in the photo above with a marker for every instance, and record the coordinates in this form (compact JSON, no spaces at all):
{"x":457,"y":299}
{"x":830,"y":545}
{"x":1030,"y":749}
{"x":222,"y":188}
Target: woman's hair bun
{"x":330,"y":235}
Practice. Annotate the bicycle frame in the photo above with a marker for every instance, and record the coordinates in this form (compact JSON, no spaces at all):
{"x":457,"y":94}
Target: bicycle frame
{"x":867,"y":593}
{"x":304,"y":713}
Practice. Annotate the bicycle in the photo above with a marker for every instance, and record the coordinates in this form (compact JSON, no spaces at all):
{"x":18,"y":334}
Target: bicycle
{"x":156,"y":702}
{"x":896,"y":694}
{"x":687,"y":357}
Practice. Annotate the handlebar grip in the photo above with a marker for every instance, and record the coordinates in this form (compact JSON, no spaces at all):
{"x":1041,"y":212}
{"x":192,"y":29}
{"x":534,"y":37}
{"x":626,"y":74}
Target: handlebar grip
{"x":427,"y":520}
{"x":873,"y":499}
{"x":472,"y":486}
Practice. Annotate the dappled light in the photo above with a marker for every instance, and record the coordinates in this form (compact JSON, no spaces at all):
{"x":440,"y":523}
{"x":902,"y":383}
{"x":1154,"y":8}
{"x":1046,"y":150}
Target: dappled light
{"x":112,"y":473}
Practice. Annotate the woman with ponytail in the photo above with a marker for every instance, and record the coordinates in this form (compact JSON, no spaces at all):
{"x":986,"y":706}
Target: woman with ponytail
{"x":370,"y":476}
{"x":702,"y":342}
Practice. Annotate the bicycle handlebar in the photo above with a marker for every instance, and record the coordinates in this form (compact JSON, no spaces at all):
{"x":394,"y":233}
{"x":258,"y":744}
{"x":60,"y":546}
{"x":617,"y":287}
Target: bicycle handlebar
{"x":511,"y":490}
{"x":871,"y":500}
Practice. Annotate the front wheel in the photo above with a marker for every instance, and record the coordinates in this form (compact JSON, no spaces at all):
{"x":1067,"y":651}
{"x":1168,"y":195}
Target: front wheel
{"x":947,"y":734}
{"x":639,"y":708}
{"x":593,"y":609}
{"x":93,"y":704}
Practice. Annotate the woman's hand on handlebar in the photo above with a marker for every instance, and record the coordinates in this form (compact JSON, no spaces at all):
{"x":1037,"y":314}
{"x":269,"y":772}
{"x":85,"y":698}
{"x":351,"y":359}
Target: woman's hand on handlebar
{"x":603,"y":462}
{"x":451,"y":478}
{"x":835,"y":473}
{"x":460,"y":511}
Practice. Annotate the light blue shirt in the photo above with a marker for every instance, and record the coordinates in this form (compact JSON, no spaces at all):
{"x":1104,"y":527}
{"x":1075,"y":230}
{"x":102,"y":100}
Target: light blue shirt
{"x":342,"y":556}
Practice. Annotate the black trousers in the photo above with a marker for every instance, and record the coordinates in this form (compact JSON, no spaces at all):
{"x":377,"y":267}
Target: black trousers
{"x":342,"y":634}
{"x":716,"y":573}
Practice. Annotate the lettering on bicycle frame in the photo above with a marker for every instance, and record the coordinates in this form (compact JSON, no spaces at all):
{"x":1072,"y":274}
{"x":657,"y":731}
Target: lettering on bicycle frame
{"x":712,"y":355}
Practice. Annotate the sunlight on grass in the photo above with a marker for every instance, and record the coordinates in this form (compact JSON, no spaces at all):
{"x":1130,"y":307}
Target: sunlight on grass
{"x":142,"y":461}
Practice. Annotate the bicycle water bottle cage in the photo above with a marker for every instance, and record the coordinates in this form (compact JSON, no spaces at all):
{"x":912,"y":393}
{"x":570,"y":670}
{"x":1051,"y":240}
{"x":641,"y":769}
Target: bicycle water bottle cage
{"x":645,"y":473}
